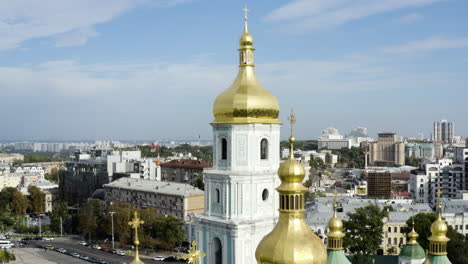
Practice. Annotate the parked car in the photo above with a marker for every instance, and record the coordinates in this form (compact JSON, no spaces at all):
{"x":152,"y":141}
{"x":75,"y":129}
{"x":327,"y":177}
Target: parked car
{"x":83,"y":243}
{"x":170,"y":259}
{"x":49,"y":247}
{"x":158,"y":258}
{"x":97,"y":247}
{"x":120,"y":253}
{"x":104,"y":249}
{"x":48,"y":238}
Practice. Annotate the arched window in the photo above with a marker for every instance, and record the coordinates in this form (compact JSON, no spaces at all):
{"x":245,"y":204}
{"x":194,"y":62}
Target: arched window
{"x":264,"y":149}
{"x":401,"y":241}
{"x":395,"y":229}
{"x":395,"y":240}
{"x":389,"y":241}
{"x":224,"y":149}
{"x":389,"y":229}
{"x":218,"y":195}
{"x":217,"y":251}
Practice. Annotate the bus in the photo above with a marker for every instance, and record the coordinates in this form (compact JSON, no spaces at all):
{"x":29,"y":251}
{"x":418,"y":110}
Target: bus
{"x":5,"y":244}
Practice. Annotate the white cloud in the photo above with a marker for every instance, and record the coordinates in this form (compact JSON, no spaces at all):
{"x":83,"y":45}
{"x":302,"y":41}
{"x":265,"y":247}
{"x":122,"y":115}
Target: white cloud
{"x":409,"y":18}
{"x":429,"y":44}
{"x":304,"y":15}
{"x":70,"y":21}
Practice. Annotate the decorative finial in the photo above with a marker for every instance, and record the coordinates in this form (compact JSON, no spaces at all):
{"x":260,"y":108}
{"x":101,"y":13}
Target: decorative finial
{"x":439,"y":202}
{"x":193,"y":255}
{"x":135,"y":224}
{"x":335,"y":205}
{"x":246,"y":18}
{"x":292,"y":120}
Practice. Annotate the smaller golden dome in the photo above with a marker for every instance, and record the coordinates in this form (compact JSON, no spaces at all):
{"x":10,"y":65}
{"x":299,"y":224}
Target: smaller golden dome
{"x":335,"y":224}
{"x":291,"y":171}
{"x":413,"y":236}
{"x":439,"y":228}
{"x":246,"y":39}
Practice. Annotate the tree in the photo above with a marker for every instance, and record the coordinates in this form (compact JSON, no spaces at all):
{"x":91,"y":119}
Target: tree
{"x":457,"y":246}
{"x":199,"y":184}
{"x":36,"y":199}
{"x":60,"y":211}
{"x":364,"y":230}
{"x":19,"y":203}
{"x":168,"y":230}
{"x":53,"y":175}
{"x":6,"y":197}
{"x":90,"y":217}
{"x":123,"y":215}
{"x":5,"y":255}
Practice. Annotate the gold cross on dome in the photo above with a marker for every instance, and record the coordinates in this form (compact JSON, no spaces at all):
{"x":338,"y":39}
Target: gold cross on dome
{"x":439,"y":193}
{"x":335,"y":193}
{"x":292,"y":119}
{"x":136,"y":222}
{"x":245,"y":12}
{"x":194,"y":255}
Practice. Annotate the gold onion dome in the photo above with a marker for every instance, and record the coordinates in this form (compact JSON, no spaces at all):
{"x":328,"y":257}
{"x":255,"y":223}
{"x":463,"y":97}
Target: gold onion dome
{"x":438,"y":240}
{"x":291,"y":241}
{"x":412,"y":236}
{"x":335,"y":225}
{"x":246,"y":101}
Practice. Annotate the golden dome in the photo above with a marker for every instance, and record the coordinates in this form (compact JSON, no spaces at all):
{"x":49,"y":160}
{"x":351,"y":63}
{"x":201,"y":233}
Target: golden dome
{"x":246,"y":101}
{"x":438,"y":240}
{"x":412,"y":236}
{"x":335,"y":235}
{"x":335,"y":224}
{"x":291,"y":241}
{"x":439,"y":228}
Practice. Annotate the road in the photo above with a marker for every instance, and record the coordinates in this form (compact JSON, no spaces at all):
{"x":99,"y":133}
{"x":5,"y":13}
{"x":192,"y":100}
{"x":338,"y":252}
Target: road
{"x":90,"y":252}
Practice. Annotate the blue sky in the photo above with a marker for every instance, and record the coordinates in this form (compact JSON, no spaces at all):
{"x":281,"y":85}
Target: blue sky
{"x":151,"y":69}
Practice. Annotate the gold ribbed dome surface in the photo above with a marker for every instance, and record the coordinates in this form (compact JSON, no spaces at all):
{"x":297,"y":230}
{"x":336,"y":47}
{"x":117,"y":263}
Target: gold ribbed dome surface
{"x":335,"y":224}
{"x":412,"y":236}
{"x":439,"y":230}
{"x":246,"y":101}
{"x":291,"y":241}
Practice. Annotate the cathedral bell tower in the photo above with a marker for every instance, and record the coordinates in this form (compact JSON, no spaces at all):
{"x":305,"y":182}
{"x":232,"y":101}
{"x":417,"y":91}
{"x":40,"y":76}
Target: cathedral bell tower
{"x":241,"y":205}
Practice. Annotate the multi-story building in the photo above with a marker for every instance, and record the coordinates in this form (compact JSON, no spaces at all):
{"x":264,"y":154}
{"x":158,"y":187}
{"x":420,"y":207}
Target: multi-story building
{"x":455,"y":212}
{"x":332,"y":139}
{"x":184,"y":170}
{"x":379,"y":184}
{"x":169,"y":198}
{"x":10,"y":158}
{"x":424,"y":150}
{"x":81,"y":177}
{"x":131,"y":164}
{"x":443,"y":131}
{"x":388,"y":150}
{"x":425,"y":181}
{"x":461,"y":157}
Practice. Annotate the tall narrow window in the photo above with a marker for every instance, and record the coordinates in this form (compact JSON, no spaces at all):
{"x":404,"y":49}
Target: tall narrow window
{"x":218,"y":196}
{"x":223,"y":149}
{"x":264,"y":149}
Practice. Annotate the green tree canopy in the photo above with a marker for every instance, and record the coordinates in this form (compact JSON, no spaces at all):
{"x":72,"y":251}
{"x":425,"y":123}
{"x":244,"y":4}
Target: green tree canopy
{"x":36,"y":199}
{"x":19,"y":203}
{"x":168,"y":230}
{"x":60,"y":210}
{"x":6,"y":197}
{"x":364,"y":230}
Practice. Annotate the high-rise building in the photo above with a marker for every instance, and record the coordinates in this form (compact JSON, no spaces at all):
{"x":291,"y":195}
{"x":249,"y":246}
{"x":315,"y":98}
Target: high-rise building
{"x":387,"y":151}
{"x":443,"y":131}
{"x":241,"y":205}
{"x":379,"y":184}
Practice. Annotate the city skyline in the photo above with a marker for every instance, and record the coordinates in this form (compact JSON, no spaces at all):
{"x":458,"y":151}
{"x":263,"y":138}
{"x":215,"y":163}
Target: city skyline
{"x":79,"y":78}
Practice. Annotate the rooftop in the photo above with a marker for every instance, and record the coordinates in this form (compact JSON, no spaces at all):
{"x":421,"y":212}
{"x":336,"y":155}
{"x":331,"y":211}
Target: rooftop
{"x":164,"y":187}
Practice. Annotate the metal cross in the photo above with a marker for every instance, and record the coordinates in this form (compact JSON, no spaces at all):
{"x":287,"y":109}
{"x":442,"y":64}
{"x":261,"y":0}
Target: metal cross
{"x":136,"y":222}
{"x":292,"y":119}
{"x":245,"y":12}
{"x":194,"y":255}
{"x":335,"y":193}
{"x":439,"y":193}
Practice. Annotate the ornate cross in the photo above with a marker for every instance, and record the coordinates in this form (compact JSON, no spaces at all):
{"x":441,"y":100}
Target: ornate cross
{"x":292,"y":119}
{"x":194,"y":255}
{"x":439,"y":193}
{"x":335,"y":193}
{"x":136,"y":222}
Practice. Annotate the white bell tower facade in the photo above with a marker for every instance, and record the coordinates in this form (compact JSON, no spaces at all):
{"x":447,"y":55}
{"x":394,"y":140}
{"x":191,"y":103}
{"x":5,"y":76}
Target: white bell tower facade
{"x":241,"y":204}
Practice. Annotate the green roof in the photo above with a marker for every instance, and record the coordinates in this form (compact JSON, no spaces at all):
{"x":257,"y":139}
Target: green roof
{"x":439,"y":259}
{"x":412,"y":252}
{"x":337,"y":257}
{"x":381,"y":259}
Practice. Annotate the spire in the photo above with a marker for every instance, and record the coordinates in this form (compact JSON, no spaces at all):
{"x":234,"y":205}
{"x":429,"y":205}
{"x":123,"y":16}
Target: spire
{"x":246,"y":19}
{"x":413,"y":236}
{"x":292,"y":240}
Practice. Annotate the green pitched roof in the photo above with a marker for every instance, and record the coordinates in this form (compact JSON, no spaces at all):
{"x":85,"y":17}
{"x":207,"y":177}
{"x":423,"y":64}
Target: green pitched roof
{"x":439,"y":259}
{"x":337,"y":257}
{"x":412,"y":252}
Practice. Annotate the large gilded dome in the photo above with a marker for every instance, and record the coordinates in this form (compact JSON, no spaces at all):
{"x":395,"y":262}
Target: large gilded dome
{"x":246,"y":101}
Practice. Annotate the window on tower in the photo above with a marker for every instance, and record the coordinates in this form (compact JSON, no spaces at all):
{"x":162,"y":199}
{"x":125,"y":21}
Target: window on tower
{"x":264,"y":149}
{"x":218,"y":196}
{"x":223,"y":149}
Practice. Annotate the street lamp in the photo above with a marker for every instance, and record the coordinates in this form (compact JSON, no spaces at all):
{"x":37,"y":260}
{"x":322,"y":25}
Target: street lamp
{"x":112,"y":221}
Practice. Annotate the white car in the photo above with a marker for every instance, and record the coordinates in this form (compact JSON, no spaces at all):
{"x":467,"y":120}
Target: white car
{"x":97,"y":247}
{"x":120,"y":253}
{"x":158,"y":258}
{"x":48,"y":238}
{"x":83,"y":243}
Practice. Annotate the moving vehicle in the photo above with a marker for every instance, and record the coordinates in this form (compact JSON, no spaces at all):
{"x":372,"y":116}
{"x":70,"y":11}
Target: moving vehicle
{"x":6,"y":244}
{"x":120,"y":253}
{"x":83,"y":243}
{"x":49,"y":247}
{"x":158,"y":258}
